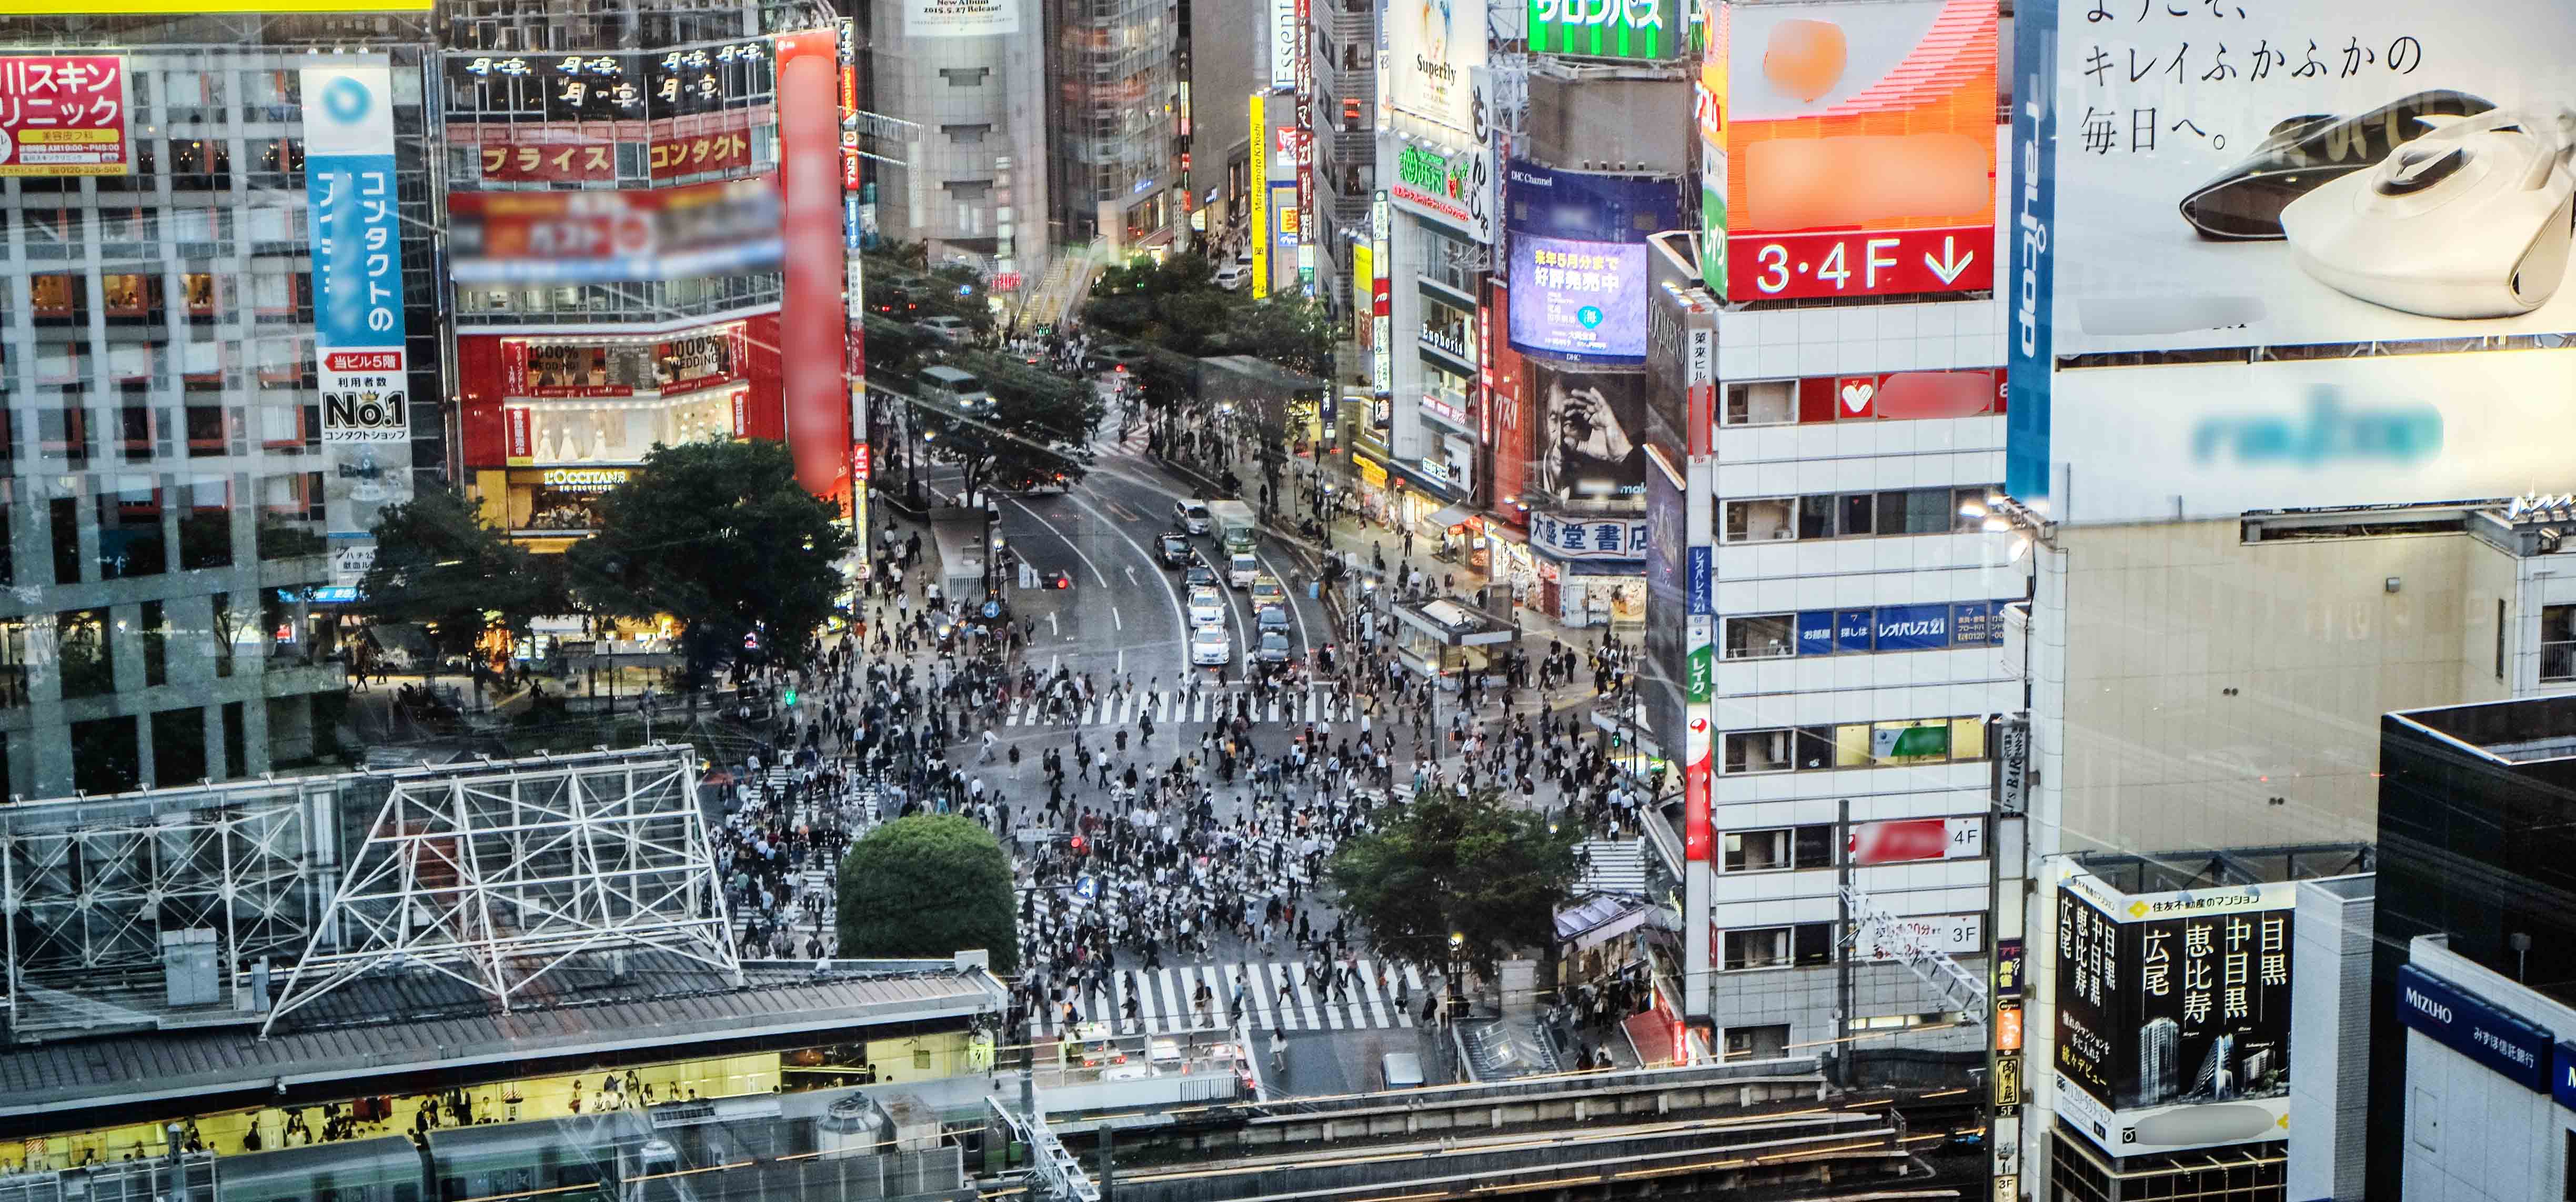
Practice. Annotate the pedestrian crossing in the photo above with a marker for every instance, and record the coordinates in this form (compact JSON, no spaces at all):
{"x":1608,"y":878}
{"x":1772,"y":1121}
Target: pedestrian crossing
{"x":1271,"y":996}
{"x":1180,"y":706}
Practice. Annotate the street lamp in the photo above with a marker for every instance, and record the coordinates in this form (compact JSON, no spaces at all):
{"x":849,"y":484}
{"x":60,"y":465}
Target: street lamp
{"x":1457,"y":972}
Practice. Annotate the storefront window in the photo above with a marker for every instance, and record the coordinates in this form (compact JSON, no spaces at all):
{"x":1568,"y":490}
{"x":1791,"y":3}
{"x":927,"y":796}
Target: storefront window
{"x":621,"y":431}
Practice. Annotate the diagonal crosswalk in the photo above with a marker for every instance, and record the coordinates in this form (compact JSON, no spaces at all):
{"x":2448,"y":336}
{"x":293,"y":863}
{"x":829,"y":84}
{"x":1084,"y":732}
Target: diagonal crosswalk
{"x":1174,"y":707}
{"x":1274,"y":994}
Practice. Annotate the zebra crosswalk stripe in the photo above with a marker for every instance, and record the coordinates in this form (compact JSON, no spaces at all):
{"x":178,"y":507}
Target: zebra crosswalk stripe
{"x":1276,"y":995}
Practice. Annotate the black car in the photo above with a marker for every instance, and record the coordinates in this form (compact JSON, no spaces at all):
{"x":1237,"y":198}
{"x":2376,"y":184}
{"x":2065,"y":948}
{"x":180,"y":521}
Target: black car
{"x":1176,"y":550}
{"x":1200,"y":576}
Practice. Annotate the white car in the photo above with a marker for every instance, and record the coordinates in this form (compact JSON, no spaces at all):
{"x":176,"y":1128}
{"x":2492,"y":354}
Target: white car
{"x":1211,"y":648}
{"x":1234,"y":275}
{"x":952,"y":330}
{"x":1207,"y":607}
{"x":1191,"y":516}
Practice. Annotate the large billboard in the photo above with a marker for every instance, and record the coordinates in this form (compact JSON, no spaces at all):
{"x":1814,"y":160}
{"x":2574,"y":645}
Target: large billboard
{"x":1431,"y":46}
{"x":2316,"y":172}
{"x":352,"y":200}
{"x":572,"y":237}
{"x":1857,"y":142}
{"x":1579,"y":260}
{"x":1451,"y":185}
{"x":64,"y":114}
{"x":960,"y":18}
{"x":1591,"y":425}
{"x":2213,"y":440}
{"x":1649,"y":30}
{"x":2173,"y":1015}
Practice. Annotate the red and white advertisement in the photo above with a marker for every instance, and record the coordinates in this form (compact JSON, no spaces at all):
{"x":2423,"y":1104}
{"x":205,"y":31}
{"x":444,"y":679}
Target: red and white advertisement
{"x":1859,"y":148}
{"x":64,"y":114}
{"x":1901,"y":396}
{"x":812,"y":320}
{"x":1504,"y":401}
{"x":1908,"y":840}
{"x":519,"y":440}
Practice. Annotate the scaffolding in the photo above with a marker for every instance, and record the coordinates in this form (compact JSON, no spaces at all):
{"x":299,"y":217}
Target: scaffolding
{"x":497,"y":877}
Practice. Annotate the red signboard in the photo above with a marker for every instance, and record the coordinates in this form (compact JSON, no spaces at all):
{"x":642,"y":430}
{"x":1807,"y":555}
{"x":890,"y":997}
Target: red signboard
{"x":706,"y":142}
{"x":859,"y":460}
{"x":1901,"y":396}
{"x":1849,"y":173}
{"x":812,"y":317}
{"x":520,"y":443}
{"x":64,"y":114}
{"x":1696,"y":835}
{"x":1900,"y":841}
{"x":1860,"y":263}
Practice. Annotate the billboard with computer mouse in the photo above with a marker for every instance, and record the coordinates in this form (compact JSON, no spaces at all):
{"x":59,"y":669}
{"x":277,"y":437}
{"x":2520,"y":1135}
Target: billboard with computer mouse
{"x":2304,"y":171}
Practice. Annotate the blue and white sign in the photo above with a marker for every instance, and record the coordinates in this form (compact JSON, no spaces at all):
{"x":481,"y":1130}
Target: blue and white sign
{"x":1564,"y":536}
{"x":352,"y":201}
{"x":2562,"y":1081}
{"x":1900,"y":628}
{"x":2515,"y":1049}
{"x":1088,"y":888}
{"x":1816,"y":632}
{"x":1911,"y":628}
{"x":1703,"y":580}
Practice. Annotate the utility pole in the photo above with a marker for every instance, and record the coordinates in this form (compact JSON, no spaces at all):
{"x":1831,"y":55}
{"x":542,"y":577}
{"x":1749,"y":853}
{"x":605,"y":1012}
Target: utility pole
{"x":1846,"y":946}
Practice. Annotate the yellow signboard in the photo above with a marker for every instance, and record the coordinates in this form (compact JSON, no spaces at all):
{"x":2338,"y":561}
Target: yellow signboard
{"x":1257,"y":230}
{"x":111,"y":8}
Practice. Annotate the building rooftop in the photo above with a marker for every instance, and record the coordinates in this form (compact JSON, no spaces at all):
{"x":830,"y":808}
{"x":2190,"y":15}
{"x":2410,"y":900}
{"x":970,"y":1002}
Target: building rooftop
{"x":2523,"y":731}
{"x":420,"y":1019}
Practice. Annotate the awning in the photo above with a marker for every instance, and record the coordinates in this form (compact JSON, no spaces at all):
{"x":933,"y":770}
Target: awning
{"x":1452,"y":516}
{"x":1599,"y":919}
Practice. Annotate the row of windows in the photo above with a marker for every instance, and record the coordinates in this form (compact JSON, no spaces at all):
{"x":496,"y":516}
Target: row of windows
{"x":1881,"y":514}
{"x":1853,"y":745}
{"x":85,"y":643}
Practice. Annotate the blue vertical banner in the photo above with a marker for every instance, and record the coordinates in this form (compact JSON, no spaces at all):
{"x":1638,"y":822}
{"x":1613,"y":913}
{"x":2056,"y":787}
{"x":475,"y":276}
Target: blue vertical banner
{"x":2030,"y":344}
{"x":358,"y":323}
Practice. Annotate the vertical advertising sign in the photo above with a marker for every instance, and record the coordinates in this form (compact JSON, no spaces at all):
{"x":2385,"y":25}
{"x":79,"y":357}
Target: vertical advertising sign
{"x":64,"y":114}
{"x":1306,"y":142}
{"x":351,"y":200}
{"x":1257,"y":191}
{"x":1710,"y":95}
{"x":813,"y":319}
{"x":2029,"y":348}
{"x":1859,"y":149}
{"x":2173,"y":1015}
{"x":1284,"y":41}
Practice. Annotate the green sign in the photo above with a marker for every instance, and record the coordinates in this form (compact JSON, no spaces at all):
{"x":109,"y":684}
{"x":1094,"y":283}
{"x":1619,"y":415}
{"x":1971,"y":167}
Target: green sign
{"x":1432,"y":172}
{"x":1632,"y":29}
{"x":1893,"y":743}
{"x":1701,"y":686}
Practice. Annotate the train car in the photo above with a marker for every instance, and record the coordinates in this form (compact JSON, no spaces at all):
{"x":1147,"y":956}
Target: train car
{"x":387,"y":1168}
{"x":719,"y":1131}
{"x":572,"y":1159}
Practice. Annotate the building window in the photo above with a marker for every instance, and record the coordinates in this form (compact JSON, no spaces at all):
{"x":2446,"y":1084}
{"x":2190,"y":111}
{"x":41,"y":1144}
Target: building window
{"x":87,"y":659}
{"x":1762,"y":403}
{"x":1780,"y":849}
{"x":155,"y":634}
{"x":1888,"y":513}
{"x":967,"y":135}
{"x":1752,"y":751}
{"x":1764,"y":636}
{"x":1902,"y":743}
{"x":129,"y":529}
{"x":13,"y":662}
{"x":2557,"y":641}
{"x":1807,"y":943}
{"x":964,"y":77}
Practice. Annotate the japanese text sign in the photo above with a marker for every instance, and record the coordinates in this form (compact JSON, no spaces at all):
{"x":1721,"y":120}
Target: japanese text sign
{"x":64,"y":115}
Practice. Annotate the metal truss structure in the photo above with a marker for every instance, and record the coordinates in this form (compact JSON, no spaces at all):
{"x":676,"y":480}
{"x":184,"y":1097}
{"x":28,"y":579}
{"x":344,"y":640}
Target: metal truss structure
{"x":88,"y":888}
{"x":1960,"y":989}
{"x":498,"y":876}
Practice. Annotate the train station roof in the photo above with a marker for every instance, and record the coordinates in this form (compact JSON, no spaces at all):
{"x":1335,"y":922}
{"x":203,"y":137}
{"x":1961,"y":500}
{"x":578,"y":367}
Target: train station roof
{"x":418,"y":1020}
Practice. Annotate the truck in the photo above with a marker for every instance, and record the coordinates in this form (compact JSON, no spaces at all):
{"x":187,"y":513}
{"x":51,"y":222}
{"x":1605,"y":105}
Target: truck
{"x":1232,"y":521}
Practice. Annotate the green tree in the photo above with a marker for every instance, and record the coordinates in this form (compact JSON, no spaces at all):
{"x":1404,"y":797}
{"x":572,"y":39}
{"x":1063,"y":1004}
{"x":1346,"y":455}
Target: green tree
{"x":929,"y":886}
{"x":439,"y":566}
{"x":1037,"y":432}
{"x":1444,"y":865}
{"x":720,"y":536}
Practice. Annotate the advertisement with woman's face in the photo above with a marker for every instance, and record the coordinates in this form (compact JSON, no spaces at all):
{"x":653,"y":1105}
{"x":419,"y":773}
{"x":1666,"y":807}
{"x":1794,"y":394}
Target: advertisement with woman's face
{"x":1591,"y":432}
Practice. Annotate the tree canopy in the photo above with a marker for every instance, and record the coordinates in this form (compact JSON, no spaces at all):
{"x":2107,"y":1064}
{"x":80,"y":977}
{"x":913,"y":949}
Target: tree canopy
{"x":1472,"y":866}
{"x":1176,"y":305}
{"x":1038,"y":431}
{"x":439,"y":566}
{"x":929,"y":886}
{"x":720,"y":536}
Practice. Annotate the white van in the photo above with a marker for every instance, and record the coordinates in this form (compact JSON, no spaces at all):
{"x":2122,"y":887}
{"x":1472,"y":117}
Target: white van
{"x":1241,"y":570}
{"x":955,"y":389}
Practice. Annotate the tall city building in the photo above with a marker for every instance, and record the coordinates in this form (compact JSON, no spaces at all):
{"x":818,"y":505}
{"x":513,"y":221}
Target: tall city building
{"x":218,"y":328}
{"x":966,"y":170}
{"x":1111,"y":105}
{"x":1836,"y":437}
{"x":1343,"y":64}
{"x":2232,"y":579}
{"x":648,"y":244}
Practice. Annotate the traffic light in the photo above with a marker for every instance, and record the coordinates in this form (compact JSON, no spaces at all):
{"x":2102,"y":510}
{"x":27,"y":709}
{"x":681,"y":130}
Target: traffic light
{"x":791,"y":695}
